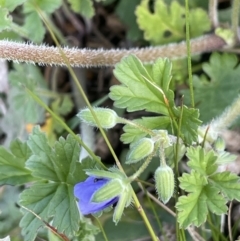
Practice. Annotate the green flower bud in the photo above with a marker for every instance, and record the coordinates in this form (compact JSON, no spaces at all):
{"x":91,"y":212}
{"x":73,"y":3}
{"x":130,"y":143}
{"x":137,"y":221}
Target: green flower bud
{"x":107,"y":117}
{"x":125,"y":200}
{"x":164,"y":179}
{"x":141,"y":149}
{"x":220,"y":144}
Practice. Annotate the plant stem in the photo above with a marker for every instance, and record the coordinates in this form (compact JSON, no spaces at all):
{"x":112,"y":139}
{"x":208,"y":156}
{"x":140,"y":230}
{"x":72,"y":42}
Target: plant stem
{"x":144,"y":217}
{"x":235,"y":18}
{"x":63,"y":124}
{"x":43,"y":55}
{"x":101,"y":227}
{"x":229,"y":222}
{"x":189,"y":53}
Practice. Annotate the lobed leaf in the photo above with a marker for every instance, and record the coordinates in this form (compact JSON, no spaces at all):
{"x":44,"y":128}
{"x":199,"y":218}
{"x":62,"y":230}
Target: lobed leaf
{"x":201,"y":161}
{"x":142,"y":89}
{"x":147,"y":88}
{"x":167,"y":23}
{"x":31,"y":112}
{"x":209,"y":191}
{"x":193,"y":209}
{"x":49,"y":200}
{"x":83,"y":7}
{"x":227,"y":183}
{"x":218,"y":85}
{"x":189,"y":124}
{"x":192,"y":182}
{"x":12,"y":164}
{"x":51,"y":197}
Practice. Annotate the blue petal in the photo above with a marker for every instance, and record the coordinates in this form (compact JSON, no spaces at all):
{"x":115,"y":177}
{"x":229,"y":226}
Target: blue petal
{"x":84,"y":191}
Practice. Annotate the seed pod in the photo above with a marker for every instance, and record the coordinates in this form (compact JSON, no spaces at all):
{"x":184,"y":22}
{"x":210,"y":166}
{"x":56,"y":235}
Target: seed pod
{"x":140,"y":150}
{"x":107,"y":117}
{"x":164,"y":179}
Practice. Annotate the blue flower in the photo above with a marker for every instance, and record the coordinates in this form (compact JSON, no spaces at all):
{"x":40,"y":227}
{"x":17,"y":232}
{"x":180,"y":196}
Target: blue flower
{"x":84,"y":192}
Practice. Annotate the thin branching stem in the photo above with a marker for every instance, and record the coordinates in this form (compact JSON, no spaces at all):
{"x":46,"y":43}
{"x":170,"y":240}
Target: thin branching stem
{"x":235,"y":19}
{"x":102,"y":229}
{"x":44,"y":55}
{"x":189,"y":53}
{"x":229,"y":222}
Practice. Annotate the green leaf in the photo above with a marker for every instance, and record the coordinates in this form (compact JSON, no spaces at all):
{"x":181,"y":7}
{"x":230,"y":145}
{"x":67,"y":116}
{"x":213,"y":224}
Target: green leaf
{"x":190,"y":123}
{"x":221,"y":88}
{"x":61,"y":106}
{"x":83,"y":7}
{"x":142,"y":89}
{"x":193,"y":209}
{"x":6,"y":20}
{"x":33,"y":22}
{"x":11,"y":4}
{"x":58,"y":164}
{"x":12,"y":164}
{"x":167,"y":23}
{"x":209,"y":191}
{"x":30,"y":77}
{"x":129,"y":19}
{"x":192,"y":182}
{"x":51,"y":198}
{"x":202,"y":161}
{"x":10,"y":214}
{"x":45,"y":5}
{"x":228,"y":184}
{"x":132,"y":134}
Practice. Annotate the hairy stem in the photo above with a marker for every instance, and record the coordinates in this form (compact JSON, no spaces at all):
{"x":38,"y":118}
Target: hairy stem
{"x":44,"y":55}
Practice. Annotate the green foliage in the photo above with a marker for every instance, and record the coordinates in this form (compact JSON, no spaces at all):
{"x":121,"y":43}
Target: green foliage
{"x":132,"y":134}
{"x":31,"y":23}
{"x":45,"y":5}
{"x":167,"y":23}
{"x":125,"y":10}
{"x":214,"y":95}
{"x":27,"y":76}
{"x":133,"y":75}
{"x":6,"y":21}
{"x":10,"y":214}
{"x":208,"y":190}
{"x":61,"y":106}
{"x":33,"y":28}
{"x":148,"y":89}
{"x":12,"y":164}
{"x":51,"y":196}
{"x":83,"y":7}
{"x":11,"y":4}
{"x":33,"y":20}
